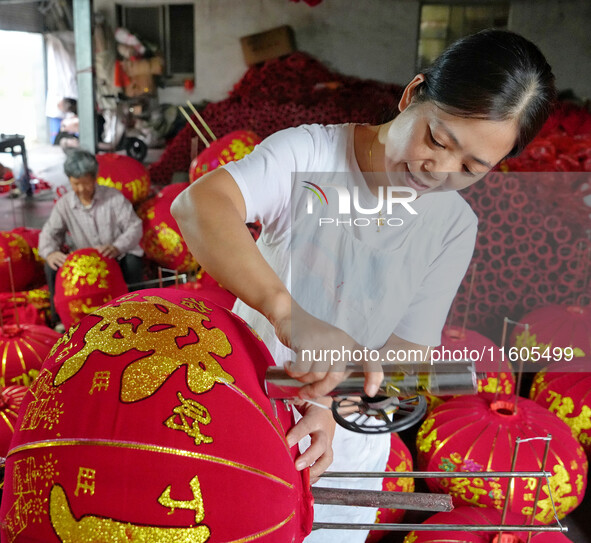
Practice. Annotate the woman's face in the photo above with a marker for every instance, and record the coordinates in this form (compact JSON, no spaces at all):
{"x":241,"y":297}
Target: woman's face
{"x":430,"y":150}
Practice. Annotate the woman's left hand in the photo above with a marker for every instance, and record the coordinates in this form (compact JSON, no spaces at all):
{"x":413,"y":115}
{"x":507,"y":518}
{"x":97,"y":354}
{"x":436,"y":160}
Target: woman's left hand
{"x":319,"y":424}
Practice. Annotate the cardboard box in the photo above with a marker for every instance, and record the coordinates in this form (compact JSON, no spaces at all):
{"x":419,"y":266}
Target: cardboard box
{"x":263,"y":46}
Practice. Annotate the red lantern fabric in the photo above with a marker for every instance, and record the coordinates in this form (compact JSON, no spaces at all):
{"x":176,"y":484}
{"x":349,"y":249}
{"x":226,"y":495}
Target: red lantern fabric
{"x":552,"y":328}
{"x":471,"y":433}
{"x":473,"y":516}
{"x":564,"y":388}
{"x":206,"y":286}
{"x":125,"y":174}
{"x":10,"y":402}
{"x":154,"y":427}
{"x":400,"y":460}
{"x":162,"y":240}
{"x":22,"y":351}
{"x":22,"y":262}
{"x":231,"y":147}
{"x":86,"y":281}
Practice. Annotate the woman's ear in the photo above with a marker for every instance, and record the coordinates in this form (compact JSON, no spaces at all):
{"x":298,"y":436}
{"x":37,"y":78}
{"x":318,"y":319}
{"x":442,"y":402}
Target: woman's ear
{"x":409,"y":92}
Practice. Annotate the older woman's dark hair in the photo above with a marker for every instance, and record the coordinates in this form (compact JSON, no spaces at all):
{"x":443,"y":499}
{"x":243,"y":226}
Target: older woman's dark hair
{"x":79,"y":163}
{"x":496,"y":75}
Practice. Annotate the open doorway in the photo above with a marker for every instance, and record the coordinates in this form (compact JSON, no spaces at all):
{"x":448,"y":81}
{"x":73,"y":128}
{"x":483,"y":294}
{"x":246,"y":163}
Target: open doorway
{"x":22,"y":93}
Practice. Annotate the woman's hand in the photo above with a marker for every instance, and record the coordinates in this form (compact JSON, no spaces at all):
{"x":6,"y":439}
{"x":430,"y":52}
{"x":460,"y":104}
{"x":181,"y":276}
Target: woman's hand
{"x":319,"y":424}
{"x":322,"y":353}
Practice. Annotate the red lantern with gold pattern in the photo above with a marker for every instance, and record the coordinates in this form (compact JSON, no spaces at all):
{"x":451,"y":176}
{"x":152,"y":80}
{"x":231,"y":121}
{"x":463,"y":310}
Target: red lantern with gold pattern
{"x":23,"y":349}
{"x":564,"y":388}
{"x":86,"y":281}
{"x":472,"y":433}
{"x":149,"y":422}
{"x":552,"y":329}
{"x":476,"y":516}
{"x":400,"y":460}
{"x":16,"y":258}
{"x":10,"y":401}
{"x":125,"y":174}
{"x":162,"y":240}
{"x":231,"y":147}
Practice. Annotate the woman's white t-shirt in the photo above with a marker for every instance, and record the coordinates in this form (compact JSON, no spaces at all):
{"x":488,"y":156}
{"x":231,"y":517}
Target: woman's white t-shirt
{"x":399,"y":278}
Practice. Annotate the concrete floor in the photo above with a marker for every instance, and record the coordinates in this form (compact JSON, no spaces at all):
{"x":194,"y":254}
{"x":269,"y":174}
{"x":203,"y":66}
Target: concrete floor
{"x":46,"y":162}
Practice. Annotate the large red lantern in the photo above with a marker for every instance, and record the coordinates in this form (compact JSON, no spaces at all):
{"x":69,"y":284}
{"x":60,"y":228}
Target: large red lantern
{"x":148,"y":422}
{"x":231,"y":147}
{"x":471,"y":433}
{"x":552,"y":329}
{"x":474,"y":516}
{"x":125,"y":174}
{"x":16,"y":260}
{"x":10,"y":402}
{"x":23,"y":348}
{"x":162,"y":240}
{"x":564,"y":388}
{"x":400,"y":460}
{"x":86,"y":281}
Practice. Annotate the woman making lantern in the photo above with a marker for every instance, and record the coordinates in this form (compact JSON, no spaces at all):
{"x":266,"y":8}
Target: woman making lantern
{"x":374,"y":258}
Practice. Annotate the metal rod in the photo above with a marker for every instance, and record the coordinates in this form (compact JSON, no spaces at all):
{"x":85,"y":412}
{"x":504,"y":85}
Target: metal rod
{"x":13,"y":290}
{"x":500,"y":367}
{"x":437,"y":527}
{"x":511,"y":485}
{"x":520,"y":373}
{"x":431,"y":474}
{"x":200,"y":118}
{"x":194,"y":126}
{"x":539,"y":485}
{"x":412,"y":501}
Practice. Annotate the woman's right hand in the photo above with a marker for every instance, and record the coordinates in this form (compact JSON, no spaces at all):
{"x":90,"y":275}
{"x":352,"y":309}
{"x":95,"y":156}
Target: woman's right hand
{"x":322,"y":353}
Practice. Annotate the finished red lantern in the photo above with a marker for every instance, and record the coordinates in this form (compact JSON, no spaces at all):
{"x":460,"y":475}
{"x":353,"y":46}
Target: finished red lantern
{"x":86,"y":281}
{"x":162,"y":240}
{"x":471,"y":433}
{"x":31,"y":236}
{"x":229,"y":148}
{"x":16,"y":260}
{"x":400,"y":460}
{"x":149,"y":422}
{"x":564,"y":388}
{"x":25,"y":307}
{"x":552,"y":329}
{"x":474,"y":516}
{"x":23,"y":349}
{"x":125,"y":174}
{"x":10,"y":402}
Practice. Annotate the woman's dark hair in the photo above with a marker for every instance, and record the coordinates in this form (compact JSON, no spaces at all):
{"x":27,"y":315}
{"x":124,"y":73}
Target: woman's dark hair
{"x":79,"y":163}
{"x":496,"y":75}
